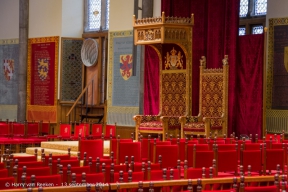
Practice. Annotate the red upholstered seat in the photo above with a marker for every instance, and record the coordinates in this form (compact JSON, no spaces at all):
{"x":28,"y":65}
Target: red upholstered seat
{"x":32,"y":129}
{"x":5,"y":129}
{"x":169,"y":155}
{"x":37,"y":171}
{"x":272,"y":158}
{"x":74,"y":169}
{"x":4,"y":181}
{"x":195,"y":173}
{"x":190,"y":152}
{"x":226,"y":163}
{"x":203,"y":158}
{"x":114,"y":143}
{"x":3,"y":173}
{"x":64,"y":163}
{"x":55,"y":157}
{"x":107,"y":171}
{"x":93,"y":148}
{"x":129,"y":149}
{"x":80,"y":131}
{"x":110,"y":131}
{"x":18,"y":129}
{"x":97,"y":130}
{"x":92,"y":178}
{"x":153,"y":144}
{"x":124,"y":177}
{"x":46,"y":181}
{"x":252,"y":158}
{"x":65,"y":131}
{"x":25,"y":158}
{"x":225,"y":147}
{"x":262,"y":189}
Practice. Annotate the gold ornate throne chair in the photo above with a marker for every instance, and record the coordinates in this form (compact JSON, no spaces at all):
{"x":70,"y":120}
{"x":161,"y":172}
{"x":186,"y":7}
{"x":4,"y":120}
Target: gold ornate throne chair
{"x":171,"y":38}
{"x":213,"y":103}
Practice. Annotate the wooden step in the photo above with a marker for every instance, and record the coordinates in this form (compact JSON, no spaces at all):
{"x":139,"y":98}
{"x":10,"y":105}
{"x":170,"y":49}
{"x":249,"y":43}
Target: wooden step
{"x":98,"y":116}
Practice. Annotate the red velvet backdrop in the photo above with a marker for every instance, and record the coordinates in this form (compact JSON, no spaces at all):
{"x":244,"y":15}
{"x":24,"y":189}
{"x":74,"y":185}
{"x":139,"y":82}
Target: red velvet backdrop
{"x":151,"y":85}
{"x":249,"y":85}
{"x":215,"y":34}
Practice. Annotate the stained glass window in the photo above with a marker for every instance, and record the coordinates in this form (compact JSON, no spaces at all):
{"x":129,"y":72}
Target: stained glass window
{"x":260,"y":7}
{"x":243,"y":8}
{"x":242,"y":30}
{"x":257,"y":29}
{"x":97,"y":18}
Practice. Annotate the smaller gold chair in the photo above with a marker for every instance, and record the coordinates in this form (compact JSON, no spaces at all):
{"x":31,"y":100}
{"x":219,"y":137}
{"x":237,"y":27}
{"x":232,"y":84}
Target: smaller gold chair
{"x":213,"y":103}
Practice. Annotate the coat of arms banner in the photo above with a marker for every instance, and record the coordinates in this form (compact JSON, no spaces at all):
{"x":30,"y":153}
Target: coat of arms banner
{"x":42,"y":79}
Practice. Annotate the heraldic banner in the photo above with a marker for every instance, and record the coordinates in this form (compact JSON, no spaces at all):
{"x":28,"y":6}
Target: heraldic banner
{"x":42,"y":79}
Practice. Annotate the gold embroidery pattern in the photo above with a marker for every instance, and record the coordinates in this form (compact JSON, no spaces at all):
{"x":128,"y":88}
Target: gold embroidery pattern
{"x":173,"y":94}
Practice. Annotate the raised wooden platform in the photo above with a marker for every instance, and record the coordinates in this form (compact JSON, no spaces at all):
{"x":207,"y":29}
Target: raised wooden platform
{"x":61,"y":147}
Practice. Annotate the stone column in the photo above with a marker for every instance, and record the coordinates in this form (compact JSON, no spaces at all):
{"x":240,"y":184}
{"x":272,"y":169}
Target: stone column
{"x":23,"y":52}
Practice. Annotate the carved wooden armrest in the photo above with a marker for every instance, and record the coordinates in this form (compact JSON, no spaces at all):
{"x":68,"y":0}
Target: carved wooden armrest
{"x":190,"y":119}
{"x":208,"y":119}
{"x":146,"y":118}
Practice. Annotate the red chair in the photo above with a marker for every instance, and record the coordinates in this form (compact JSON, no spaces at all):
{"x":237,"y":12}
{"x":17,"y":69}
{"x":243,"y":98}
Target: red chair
{"x":70,"y":169}
{"x":3,"y":173}
{"x":18,"y":130}
{"x":262,"y":189}
{"x":252,"y":158}
{"x":64,"y":163}
{"x":114,"y":145}
{"x":97,"y":130}
{"x":169,"y":154}
{"x":25,"y":158}
{"x":65,"y":131}
{"x":153,"y":145}
{"x":190,"y":152}
{"x":110,"y":131}
{"x":46,"y":181}
{"x":45,"y":131}
{"x":5,"y":180}
{"x":89,"y":178}
{"x":129,"y":149}
{"x":272,"y":158}
{"x":37,"y":171}
{"x":226,"y":162}
{"x":32,"y":129}
{"x":202,"y":158}
{"x":81,"y":130}
{"x":93,"y":148}
{"x":128,"y":177}
{"x":110,"y":170}
{"x":5,"y":130}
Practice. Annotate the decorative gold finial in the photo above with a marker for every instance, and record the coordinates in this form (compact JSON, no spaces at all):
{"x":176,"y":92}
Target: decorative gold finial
{"x":203,"y":61}
{"x":225,"y":60}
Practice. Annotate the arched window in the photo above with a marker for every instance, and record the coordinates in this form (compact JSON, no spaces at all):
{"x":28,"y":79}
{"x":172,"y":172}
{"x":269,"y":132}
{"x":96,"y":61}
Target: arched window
{"x":96,"y":15}
{"x":252,"y":16}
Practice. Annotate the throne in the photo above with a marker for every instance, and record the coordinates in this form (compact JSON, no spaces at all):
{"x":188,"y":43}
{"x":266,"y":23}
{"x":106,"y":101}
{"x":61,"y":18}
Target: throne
{"x":171,"y":38}
{"x":213,"y":103}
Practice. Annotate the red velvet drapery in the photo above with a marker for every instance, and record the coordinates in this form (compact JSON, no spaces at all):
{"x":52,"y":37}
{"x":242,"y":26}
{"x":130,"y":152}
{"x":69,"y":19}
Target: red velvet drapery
{"x":215,"y":34}
{"x":249,"y":85}
{"x":151,"y":85}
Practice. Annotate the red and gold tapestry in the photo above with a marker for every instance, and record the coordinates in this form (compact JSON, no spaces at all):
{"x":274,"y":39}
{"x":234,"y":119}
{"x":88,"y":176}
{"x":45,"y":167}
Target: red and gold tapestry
{"x":42,"y":79}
